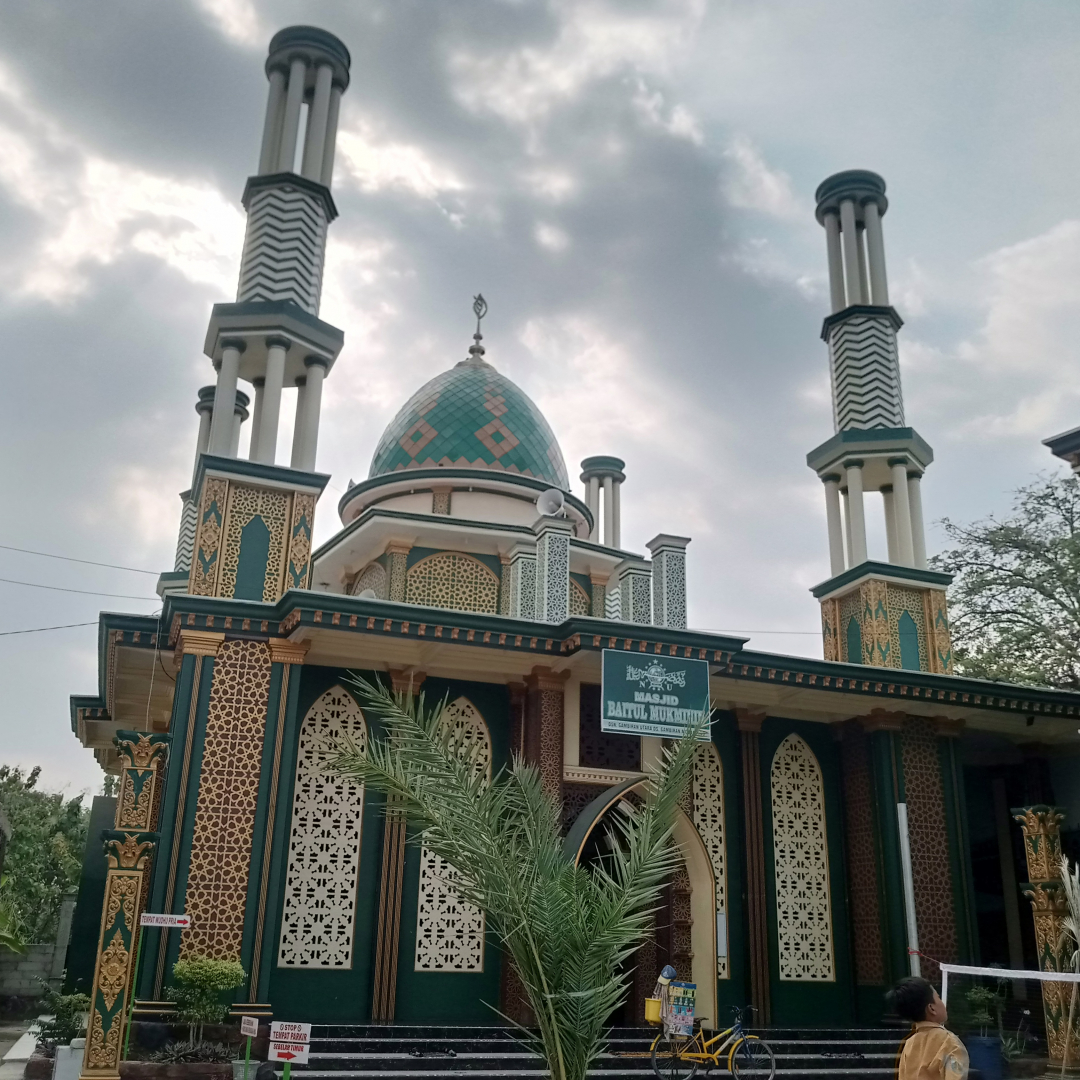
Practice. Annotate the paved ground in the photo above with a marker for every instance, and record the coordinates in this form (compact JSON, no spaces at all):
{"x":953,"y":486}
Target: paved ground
{"x":10,"y":1033}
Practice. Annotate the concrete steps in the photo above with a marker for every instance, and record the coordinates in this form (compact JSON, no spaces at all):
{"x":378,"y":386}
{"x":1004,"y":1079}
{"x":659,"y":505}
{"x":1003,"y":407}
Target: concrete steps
{"x":416,"y":1052}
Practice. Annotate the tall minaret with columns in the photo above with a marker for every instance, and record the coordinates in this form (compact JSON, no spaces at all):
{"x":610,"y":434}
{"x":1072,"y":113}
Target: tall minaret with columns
{"x":246,"y":529}
{"x":888,"y":613}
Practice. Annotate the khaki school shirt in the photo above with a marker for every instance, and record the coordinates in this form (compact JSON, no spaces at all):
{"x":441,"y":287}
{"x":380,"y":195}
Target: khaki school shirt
{"x":933,"y":1053}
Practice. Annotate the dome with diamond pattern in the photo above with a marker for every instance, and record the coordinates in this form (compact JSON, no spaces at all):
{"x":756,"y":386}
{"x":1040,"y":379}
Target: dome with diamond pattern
{"x":471,"y":417}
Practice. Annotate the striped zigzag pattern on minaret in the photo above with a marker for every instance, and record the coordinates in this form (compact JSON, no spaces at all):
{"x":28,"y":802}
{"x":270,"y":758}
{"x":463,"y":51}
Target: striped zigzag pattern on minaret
{"x":284,"y":248}
{"x":185,"y":544}
{"x":865,"y":374}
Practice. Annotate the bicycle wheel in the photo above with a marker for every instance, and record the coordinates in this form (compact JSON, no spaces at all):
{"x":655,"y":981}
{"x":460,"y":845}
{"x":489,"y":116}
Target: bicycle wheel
{"x":666,"y":1062}
{"x":752,"y":1059}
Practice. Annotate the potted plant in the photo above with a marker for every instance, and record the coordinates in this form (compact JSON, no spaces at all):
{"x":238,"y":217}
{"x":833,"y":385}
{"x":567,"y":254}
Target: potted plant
{"x":200,"y":984}
{"x":984,"y":1049}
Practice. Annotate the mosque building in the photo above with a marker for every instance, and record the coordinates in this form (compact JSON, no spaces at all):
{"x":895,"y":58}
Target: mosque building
{"x":470,"y":564}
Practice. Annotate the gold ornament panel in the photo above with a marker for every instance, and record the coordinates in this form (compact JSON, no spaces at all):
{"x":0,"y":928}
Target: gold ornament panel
{"x":220,"y":859}
{"x":246,"y":503}
{"x":801,"y":863}
{"x":451,"y":579}
{"x":207,"y":561}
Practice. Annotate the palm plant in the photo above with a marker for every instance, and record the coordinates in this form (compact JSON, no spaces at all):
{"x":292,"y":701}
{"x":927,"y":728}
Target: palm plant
{"x":568,"y":929}
{"x":1069,"y":943}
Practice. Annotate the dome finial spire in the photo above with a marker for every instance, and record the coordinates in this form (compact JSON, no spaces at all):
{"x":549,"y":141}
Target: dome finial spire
{"x":476,"y":350}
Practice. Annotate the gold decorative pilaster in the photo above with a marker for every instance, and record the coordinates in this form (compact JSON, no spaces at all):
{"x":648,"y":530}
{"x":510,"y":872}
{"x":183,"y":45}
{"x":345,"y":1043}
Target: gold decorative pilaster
{"x":142,"y":755}
{"x":397,"y":556}
{"x":1041,"y":826}
{"x":128,"y":855}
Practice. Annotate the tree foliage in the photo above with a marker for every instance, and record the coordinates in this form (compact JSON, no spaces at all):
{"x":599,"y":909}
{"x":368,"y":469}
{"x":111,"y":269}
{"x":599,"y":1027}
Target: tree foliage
{"x":201,"y":982}
{"x":44,"y":857}
{"x":1014,"y":606}
{"x":569,"y":929}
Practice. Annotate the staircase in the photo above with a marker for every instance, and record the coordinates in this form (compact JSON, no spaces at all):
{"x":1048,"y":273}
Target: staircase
{"x":414,"y":1052}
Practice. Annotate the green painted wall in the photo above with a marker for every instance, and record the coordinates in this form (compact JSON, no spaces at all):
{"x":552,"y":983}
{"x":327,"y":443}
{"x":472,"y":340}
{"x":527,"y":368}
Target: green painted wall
{"x":86,"y":920}
{"x":813,"y":1003}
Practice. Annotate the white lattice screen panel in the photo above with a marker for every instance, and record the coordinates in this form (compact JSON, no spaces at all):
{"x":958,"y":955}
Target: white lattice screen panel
{"x":801,"y":860}
{"x":450,"y":932}
{"x":708,"y":790}
{"x":319,"y":915}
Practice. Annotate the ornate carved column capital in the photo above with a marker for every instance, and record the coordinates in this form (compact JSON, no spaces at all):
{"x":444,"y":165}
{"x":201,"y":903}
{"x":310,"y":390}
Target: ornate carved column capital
{"x":545,"y":678}
{"x":197,"y":643}
{"x":882,"y":720}
{"x":128,"y":850}
{"x":141,"y":750}
{"x":406,"y":680}
{"x":749,"y":719}
{"x":949,"y":727}
{"x":284,"y":651}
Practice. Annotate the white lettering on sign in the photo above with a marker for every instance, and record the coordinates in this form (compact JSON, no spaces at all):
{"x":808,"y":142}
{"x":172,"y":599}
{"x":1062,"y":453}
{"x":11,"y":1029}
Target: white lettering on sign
{"x":249,"y":1025}
{"x":282,"y":1031}
{"x":294,"y":1052}
{"x":150,"y":919}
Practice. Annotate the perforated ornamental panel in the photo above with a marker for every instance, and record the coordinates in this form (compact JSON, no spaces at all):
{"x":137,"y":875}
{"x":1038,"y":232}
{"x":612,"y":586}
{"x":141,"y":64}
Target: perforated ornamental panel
{"x":801,"y":859}
{"x":708,"y":790}
{"x":453,"y":580}
{"x":319,"y":916}
{"x":450,"y":932}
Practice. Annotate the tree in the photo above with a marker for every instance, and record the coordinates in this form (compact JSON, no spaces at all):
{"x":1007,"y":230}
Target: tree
{"x":1014,"y":606}
{"x":568,"y":929}
{"x":44,"y":857}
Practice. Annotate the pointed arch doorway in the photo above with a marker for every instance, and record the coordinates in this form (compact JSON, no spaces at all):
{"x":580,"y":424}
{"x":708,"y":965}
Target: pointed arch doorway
{"x":686,"y":921}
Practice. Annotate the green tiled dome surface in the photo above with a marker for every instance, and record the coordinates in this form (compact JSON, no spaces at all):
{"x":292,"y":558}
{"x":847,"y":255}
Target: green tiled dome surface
{"x":471,"y":417}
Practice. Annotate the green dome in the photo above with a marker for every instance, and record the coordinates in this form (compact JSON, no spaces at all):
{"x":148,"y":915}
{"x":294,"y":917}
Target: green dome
{"x":471,"y":417}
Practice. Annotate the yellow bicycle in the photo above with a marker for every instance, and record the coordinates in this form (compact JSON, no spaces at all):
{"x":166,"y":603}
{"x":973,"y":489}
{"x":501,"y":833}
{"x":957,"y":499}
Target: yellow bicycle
{"x":678,"y":1057}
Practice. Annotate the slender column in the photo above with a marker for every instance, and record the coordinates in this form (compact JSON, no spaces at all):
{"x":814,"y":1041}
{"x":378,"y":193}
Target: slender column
{"x":609,"y":517}
{"x":205,"y":411}
{"x":836,"y":262}
{"x":918,"y":532}
{"x":890,"y":522}
{"x":616,"y":514}
{"x":271,"y":410}
{"x":239,"y":416}
{"x":221,"y":426}
{"x":860,"y":247}
{"x":847,"y":524}
{"x":902,"y":512}
{"x":272,"y":127}
{"x":291,"y":123}
{"x":850,"y":238}
{"x":1009,"y":888}
{"x":593,"y":497}
{"x":875,"y":255}
{"x":256,"y":418}
{"x":331,"y":135}
{"x":749,"y":723}
{"x":317,"y":117}
{"x":308,"y":406}
{"x":836,"y":529}
{"x":855,"y":510}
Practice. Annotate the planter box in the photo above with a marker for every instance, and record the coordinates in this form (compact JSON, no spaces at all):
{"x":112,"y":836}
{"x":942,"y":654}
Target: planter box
{"x":38,"y":1067}
{"x":157,"y":1070}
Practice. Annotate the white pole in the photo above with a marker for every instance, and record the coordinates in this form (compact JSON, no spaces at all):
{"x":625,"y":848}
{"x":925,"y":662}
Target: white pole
{"x":290,"y":128}
{"x":902,"y":513}
{"x":857,"y":515}
{"x":616,"y":515}
{"x":271,"y":410}
{"x":316,"y":137}
{"x":836,"y":262}
{"x":272,"y":127}
{"x":850,"y":237}
{"x":890,"y":522}
{"x":909,"y":891}
{"x":875,"y":255}
{"x":609,"y":517}
{"x":256,"y":419}
{"x":836,"y":528}
{"x":331,"y":135}
{"x":918,"y":532}
{"x":221,"y":426}
{"x":308,"y":407}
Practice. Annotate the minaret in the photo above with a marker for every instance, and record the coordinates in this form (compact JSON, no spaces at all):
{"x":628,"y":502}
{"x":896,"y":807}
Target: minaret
{"x":253,"y":518}
{"x":889,"y":614}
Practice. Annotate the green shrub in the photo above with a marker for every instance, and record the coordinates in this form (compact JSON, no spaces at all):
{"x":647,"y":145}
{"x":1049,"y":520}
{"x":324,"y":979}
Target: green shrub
{"x":186,"y":1053}
{"x":198,"y":995}
{"x":68,"y":1018}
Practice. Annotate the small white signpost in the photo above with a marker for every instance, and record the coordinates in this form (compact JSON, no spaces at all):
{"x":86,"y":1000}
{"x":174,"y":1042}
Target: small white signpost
{"x":249,"y":1026}
{"x":147,"y":918}
{"x":150,"y":919}
{"x":289,"y":1043}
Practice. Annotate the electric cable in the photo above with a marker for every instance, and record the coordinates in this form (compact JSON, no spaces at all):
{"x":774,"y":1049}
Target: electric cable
{"x":40,"y":629}
{"x":83,"y":592}
{"x":85,"y":562}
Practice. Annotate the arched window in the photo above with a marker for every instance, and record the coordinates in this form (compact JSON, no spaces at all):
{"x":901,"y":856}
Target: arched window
{"x":909,"y":642}
{"x":319,"y":915}
{"x":450,"y":932}
{"x":801,"y":861}
{"x":580,"y":604}
{"x":708,"y":790}
{"x":372,"y":577}
{"x":450,"y":579}
{"x":854,"y":641}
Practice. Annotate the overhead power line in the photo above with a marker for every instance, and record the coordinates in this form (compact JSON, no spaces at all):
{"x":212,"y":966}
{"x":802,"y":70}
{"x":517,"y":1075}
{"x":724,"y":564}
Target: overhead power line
{"x":41,"y":629}
{"x":85,"y":562}
{"x":82,"y":592}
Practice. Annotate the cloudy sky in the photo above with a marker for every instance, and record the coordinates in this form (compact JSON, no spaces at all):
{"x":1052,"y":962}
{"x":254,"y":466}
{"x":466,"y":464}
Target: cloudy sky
{"x":630,"y":184}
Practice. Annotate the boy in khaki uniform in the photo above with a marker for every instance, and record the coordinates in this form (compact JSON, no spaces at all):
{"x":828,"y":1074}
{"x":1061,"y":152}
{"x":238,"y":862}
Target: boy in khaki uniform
{"x":931,"y":1052}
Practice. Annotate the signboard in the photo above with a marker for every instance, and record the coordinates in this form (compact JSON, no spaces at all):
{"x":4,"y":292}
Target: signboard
{"x":290,"y":1053}
{"x":680,"y":1010}
{"x":149,"y":919}
{"x":249,"y":1025}
{"x":645,"y":694}
{"x":281,"y":1031}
